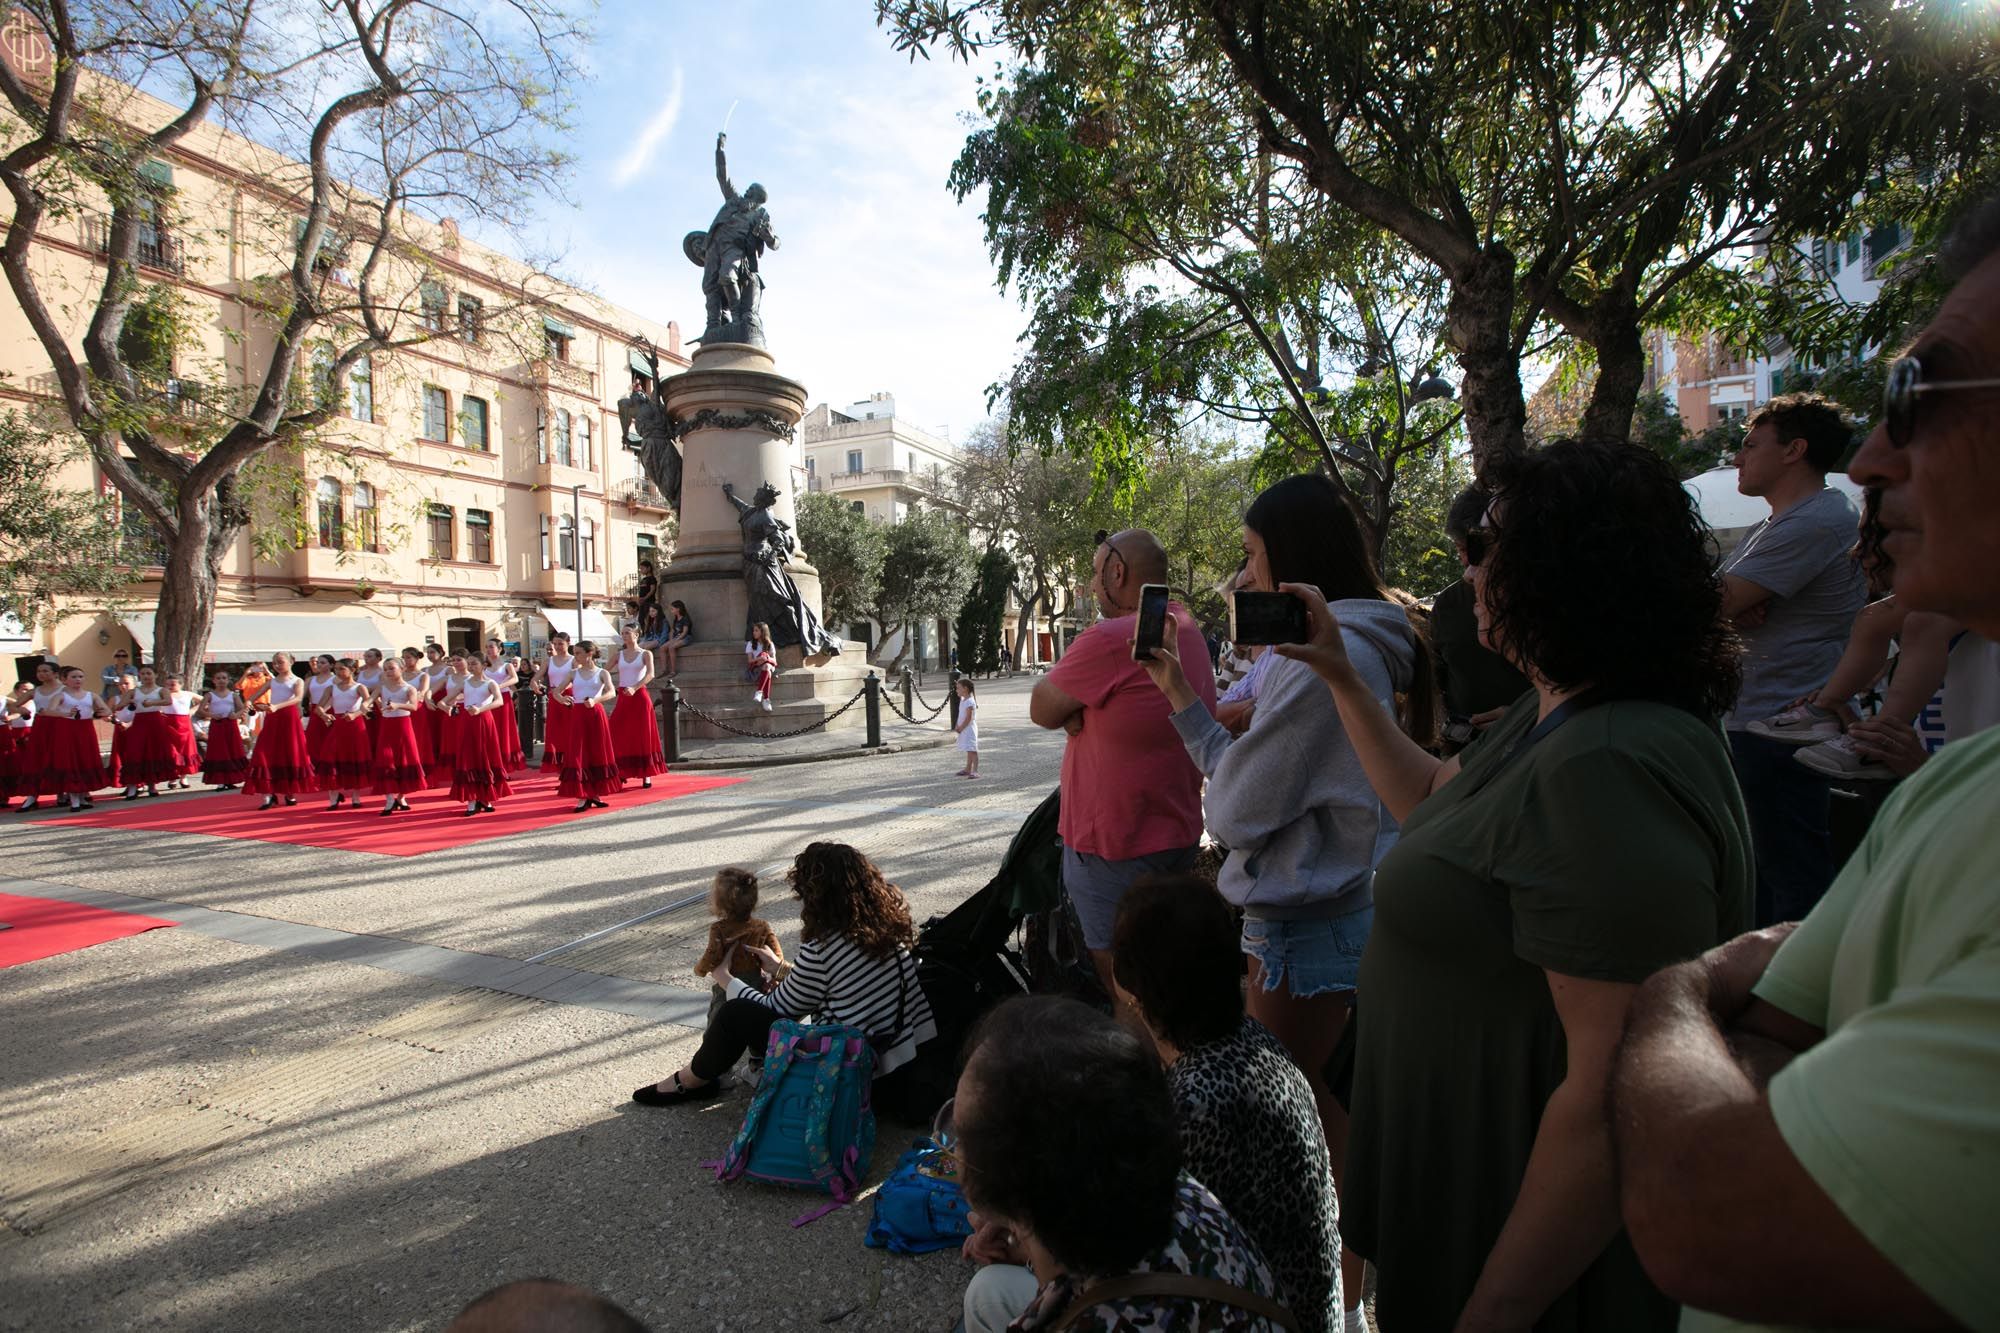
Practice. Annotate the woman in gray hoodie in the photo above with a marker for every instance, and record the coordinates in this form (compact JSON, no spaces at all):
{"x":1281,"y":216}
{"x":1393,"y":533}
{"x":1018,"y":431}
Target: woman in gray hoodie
{"x":1288,"y":797}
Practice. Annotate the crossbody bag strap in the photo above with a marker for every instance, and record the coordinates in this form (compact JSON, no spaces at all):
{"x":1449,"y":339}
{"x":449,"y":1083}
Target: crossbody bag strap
{"x":902,"y":1004}
{"x":1175,"y":1284}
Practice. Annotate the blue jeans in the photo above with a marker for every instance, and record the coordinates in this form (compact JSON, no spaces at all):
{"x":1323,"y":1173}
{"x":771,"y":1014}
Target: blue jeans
{"x":1096,"y":886}
{"x":1788,"y":805}
{"x":1315,"y":957}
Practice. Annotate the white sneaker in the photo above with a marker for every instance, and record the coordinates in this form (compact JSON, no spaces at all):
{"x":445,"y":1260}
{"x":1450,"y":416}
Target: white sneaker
{"x":767,"y":705}
{"x":1801,"y":724}
{"x":756,"y":696}
{"x":1838,"y":758}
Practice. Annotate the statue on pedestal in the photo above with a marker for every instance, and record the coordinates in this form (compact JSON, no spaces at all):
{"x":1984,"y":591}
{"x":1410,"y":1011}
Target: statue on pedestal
{"x":728,"y":253}
{"x":643,"y":418}
{"x":774,"y":598}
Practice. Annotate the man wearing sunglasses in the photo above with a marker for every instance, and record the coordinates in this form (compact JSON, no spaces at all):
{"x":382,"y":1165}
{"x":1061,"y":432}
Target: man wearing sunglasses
{"x":1808,"y":1120}
{"x":1793,"y":589}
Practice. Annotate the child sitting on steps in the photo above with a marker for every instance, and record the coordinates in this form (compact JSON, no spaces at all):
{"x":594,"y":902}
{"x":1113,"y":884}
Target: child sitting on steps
{"x":731,"y":900}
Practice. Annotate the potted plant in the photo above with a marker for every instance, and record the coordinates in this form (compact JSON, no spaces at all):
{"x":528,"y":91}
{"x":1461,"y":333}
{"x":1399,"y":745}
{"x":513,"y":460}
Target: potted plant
{"x":364,"y":590}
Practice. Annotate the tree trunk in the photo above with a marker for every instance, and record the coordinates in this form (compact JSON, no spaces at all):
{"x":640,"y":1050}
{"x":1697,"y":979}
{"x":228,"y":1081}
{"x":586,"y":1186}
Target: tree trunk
{"x":1479,"y":323}
{"x":1621,"y":373}
{"x":1024,"y":626}
{"x":188,"y":582}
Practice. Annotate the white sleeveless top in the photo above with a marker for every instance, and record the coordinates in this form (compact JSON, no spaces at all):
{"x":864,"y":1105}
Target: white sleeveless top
{"x":371,"y":677}
{"x":586,"y":684}
{"x":496,"y":674}
{"x":183,"y":702}
{"x":43,"y":701}
{"x":399,"y":700}
{"x":346,"y":702}
{"x":557,"y":673}
{"x":80,"y":702}
{"x":283,"y":689}
{"x":633,"y":673}
{"x":317,"y":690}
{"x":26,"y":717}
{"x":418,"y":679}
{"x":477,"y":690}
{"x":142,"y":695}
{"x":221,"y":706}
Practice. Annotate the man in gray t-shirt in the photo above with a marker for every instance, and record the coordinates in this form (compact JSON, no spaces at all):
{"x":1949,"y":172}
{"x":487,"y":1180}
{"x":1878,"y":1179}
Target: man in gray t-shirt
{"x":1793,"y":590}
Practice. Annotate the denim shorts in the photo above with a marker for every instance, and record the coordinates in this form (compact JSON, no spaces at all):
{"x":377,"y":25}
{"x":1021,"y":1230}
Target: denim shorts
{"x":1315,"y":957}
{"x":1096,"y":886}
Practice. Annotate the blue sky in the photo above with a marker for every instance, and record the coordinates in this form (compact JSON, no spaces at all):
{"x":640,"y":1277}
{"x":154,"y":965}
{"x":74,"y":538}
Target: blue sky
{"x":882,"y":281}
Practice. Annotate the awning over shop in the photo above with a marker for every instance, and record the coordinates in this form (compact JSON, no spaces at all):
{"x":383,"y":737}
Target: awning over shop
{"x":597,"y":626}
{"x":244,"y":636}
{"x":637,"y":360}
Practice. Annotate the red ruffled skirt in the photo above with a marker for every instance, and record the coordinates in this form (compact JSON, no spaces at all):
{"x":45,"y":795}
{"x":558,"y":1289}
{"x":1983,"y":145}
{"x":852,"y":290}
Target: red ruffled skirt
{"x":280,"y":766}
{"x":420,"y":735}
{"x":186,"y":748}
{"x":479,"y":766}
{"x":70,"y":759}
{"x":590,"y":767}
{"x":444,"y":733}
{"x":347,"y":763}
{"x":635,"y":735}
{"x":318,"y":729}
{"x":119,"y":731}
{"x":399,"y":760}
{"x":555,"y":729}
{"x":15,"y":777}
{"x":151,"y":753}
{"x":507,"y":726}
{"x":227,"y":762}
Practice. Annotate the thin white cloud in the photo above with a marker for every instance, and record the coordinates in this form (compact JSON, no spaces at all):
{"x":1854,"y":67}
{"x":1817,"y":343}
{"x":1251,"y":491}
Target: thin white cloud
{"x":640,"y":154}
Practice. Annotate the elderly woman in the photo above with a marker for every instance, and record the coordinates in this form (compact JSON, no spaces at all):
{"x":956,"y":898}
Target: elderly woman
{"x":1589,"y":837}
{"x":1249,"y":1129}
{"x":1072,"y":1162}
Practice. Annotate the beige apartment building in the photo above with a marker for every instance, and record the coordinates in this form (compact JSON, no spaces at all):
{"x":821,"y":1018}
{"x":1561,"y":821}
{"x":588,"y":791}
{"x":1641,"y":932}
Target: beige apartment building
{"x":477,"y":483}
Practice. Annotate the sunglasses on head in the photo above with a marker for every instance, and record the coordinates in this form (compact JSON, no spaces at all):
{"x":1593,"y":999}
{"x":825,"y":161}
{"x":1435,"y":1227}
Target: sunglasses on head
{"x":1104,"y":539}
{"x":1899,"y":397}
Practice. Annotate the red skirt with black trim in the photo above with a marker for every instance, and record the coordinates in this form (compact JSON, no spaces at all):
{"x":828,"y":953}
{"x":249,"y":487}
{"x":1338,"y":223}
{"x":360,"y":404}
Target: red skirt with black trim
{"x":70,"y":759}
{"x":187,"y":750}
{"x":227,"y":762}
{"x":590,"y":768}
{"x":399,"y":762}
{"x":507,"y":726}
{"x":318,"y":729}
{"x":444,"y":733}
{"x":116,"y":777}
{"x":347,"y":764}
{"x":635,"y":735}
{"x":420,"y":733}
{"x":555,"y":729}
{"x":479,"y":767}
{"x":15,"y":779}
{"x":280,"y":766}
{"x":151,"y":753}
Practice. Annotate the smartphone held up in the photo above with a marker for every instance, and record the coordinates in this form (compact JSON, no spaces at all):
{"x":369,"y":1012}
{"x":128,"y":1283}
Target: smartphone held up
{"x":1151,"y":630}
{"x":1262,"y":618}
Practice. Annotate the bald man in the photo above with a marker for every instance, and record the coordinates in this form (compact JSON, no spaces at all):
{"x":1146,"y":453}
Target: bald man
{"x":1131,"y":797}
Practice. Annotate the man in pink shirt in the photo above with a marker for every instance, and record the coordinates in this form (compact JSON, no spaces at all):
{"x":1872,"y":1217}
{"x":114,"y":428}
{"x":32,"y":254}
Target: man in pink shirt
{"x":1131,"y":797}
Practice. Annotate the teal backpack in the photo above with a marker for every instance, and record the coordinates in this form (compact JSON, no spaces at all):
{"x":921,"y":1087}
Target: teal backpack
{"x":812,"y":1122}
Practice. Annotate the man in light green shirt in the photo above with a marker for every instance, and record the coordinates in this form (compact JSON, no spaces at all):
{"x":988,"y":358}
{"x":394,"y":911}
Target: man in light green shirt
{"x":1808,"y":1121}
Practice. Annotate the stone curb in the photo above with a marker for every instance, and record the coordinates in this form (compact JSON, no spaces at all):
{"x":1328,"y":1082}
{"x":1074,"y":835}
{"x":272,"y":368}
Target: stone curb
{"x":701,"y":764}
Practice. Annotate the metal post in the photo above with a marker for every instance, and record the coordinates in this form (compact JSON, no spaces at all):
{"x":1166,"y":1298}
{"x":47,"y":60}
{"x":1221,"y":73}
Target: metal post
{"x":909,"y":694}
{"x":524,"y":720}
{"x":670,"y":721}
{"x":576,"y":550}
{"x":873,"y":703}
{"x":952,"y":698}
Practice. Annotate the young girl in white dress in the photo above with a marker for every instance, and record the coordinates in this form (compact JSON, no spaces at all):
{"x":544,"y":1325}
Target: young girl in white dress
{"x":967,"y":728}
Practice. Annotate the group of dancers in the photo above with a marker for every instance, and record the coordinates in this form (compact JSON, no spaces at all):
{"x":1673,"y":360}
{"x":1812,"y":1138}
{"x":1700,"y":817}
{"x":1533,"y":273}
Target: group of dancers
{"x":389,"y":727}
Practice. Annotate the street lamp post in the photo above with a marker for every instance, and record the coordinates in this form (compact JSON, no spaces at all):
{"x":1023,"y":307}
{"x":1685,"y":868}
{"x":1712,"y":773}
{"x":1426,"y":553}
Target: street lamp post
{"x":576,"y":550}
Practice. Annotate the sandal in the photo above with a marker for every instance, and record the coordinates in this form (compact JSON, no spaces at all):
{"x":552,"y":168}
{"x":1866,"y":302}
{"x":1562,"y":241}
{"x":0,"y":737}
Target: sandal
{"x":650,"y":1095}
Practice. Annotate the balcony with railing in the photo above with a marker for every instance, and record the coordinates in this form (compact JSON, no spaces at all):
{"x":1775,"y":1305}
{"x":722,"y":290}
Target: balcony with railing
{"x":156,"y":249}
{"x":550,"y":372}
{"x":640,"y":493}
{"x":870,"y":478}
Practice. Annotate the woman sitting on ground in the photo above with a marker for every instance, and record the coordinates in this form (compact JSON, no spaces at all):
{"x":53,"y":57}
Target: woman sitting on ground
{"x":1072,"y":1163}
{"x":1249,"y":1127}
{"x":853,"y":967}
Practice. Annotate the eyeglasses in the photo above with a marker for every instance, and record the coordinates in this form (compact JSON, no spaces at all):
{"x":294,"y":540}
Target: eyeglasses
{"x":1899,"y":398}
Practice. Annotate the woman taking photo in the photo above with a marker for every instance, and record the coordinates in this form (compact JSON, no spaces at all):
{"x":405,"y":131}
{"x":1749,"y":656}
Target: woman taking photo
{"x":1288,"y":797}
{"x":1590,"y":837}
{"x":853,"y":967}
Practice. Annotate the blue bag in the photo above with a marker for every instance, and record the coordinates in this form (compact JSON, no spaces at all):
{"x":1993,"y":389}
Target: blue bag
{"x":812,"y":1122}
{"x":917,"y":1210}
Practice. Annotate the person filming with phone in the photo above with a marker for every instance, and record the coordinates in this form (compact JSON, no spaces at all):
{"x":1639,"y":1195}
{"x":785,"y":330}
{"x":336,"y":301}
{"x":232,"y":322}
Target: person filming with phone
{"x":1289,"y":797}
{"x":1131,"y":799}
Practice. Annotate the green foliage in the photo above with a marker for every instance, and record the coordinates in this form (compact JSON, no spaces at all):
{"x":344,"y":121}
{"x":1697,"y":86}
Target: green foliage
{"x":1418,"y":556}
{"x":56,"y":542}
{"x":848,"y":551}
{"x":1191,"y":494}
{"x":926,"y":570}
{"x":977,"y":630}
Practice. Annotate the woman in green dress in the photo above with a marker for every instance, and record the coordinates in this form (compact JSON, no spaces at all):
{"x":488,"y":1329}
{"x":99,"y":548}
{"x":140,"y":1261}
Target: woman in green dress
{"x":1589,"y":837}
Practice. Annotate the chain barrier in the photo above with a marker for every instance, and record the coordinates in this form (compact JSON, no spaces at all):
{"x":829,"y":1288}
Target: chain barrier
{"x":897,"y":709}
{"x":820,"y":725}
{"x":918,"y":695}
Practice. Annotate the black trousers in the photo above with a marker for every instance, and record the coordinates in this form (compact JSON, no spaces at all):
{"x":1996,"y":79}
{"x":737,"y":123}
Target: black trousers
{"x":738,"y":1026}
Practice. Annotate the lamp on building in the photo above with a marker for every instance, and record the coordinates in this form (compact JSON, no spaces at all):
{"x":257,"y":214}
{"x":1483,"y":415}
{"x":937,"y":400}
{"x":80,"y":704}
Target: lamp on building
{"x":1431,"y":387}
{"x":103,"y":637}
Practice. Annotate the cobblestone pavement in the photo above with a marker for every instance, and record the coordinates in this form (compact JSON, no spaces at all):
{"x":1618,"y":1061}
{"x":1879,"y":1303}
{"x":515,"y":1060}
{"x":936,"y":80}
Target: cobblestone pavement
{"x":353,"y":1091}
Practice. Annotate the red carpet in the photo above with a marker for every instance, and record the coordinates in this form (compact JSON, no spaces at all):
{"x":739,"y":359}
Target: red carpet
{"x":434,"y":822}
{"x":45,"y":927}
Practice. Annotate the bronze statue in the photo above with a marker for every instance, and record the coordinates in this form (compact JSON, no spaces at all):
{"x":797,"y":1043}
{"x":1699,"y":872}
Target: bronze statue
{"x":643,"y":418}
{"x":774,"y":598}
{"x":728,"y":253}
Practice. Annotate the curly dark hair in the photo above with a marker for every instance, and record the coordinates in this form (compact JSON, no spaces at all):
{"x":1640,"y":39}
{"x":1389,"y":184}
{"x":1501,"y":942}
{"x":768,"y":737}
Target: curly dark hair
{"x":1174,"y":947}
{"x":1868,"y":553}
{"x":842,"y":893}
{"x":1601,"y":573}
{"x":1069,"y":1133}
{"x":733,"y":896}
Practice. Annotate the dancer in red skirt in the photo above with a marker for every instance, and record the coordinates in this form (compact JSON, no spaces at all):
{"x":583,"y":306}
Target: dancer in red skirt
{"x":370,"y":675}
{"x":553,"y":684}
{"x":318,"y":715}
{"x":151,"y":752}
{"x":507,"y":725}
{"x":444,"y":728}
{"x":17,"y":715}
{"x":74,"y":765}
{"x":479,"y":766}
{"x":348,"y":764}
{"x":280,"y":766}
{"x":590,"y":767}
{"x":635,"y":728}
{"x":121,"y":726}
{"x":34,"y":758}
{"x":180,"y":724}
{"x":418,"y":679}
{"x":399,"y":764}
{"x":227,"y":762}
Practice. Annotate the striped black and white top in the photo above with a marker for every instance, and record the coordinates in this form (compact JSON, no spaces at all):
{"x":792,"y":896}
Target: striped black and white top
{"x":832,"y":981}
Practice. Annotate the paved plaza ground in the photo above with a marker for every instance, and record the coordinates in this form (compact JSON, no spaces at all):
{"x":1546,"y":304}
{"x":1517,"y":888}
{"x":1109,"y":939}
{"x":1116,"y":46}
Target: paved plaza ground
{"x":338,"y":1096}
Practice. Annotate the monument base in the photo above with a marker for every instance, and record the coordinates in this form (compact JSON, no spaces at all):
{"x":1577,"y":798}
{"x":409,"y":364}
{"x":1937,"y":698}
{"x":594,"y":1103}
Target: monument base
{"x":803,"y":693}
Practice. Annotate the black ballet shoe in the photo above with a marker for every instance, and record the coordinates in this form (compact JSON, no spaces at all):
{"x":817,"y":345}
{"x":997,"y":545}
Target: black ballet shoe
{"x":582,"y":806}
{"x":646,"y":784}
{"x":29,"y":807}
{"x":269,"y":801}
{"x":334,"y":804}
{"x":473,"y":811}
{"x":131,"y":794}
{"x":486,"y":809}
{"x":650,"y":1095}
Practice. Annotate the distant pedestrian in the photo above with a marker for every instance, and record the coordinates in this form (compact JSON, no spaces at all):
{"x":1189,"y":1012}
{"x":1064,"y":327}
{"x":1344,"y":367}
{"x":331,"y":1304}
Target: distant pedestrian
{"x":111,"y":678}
{"x":967,"y":728}
{"x":1006,"y":661}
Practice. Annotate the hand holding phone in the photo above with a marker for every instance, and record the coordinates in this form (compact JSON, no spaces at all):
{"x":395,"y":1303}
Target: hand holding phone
{"x":1151,"y":630}
{"x":1264,"y":618}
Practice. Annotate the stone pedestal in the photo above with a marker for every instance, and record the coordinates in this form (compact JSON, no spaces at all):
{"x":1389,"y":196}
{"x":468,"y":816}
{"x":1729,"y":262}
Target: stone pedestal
{"x":738,"y":413}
